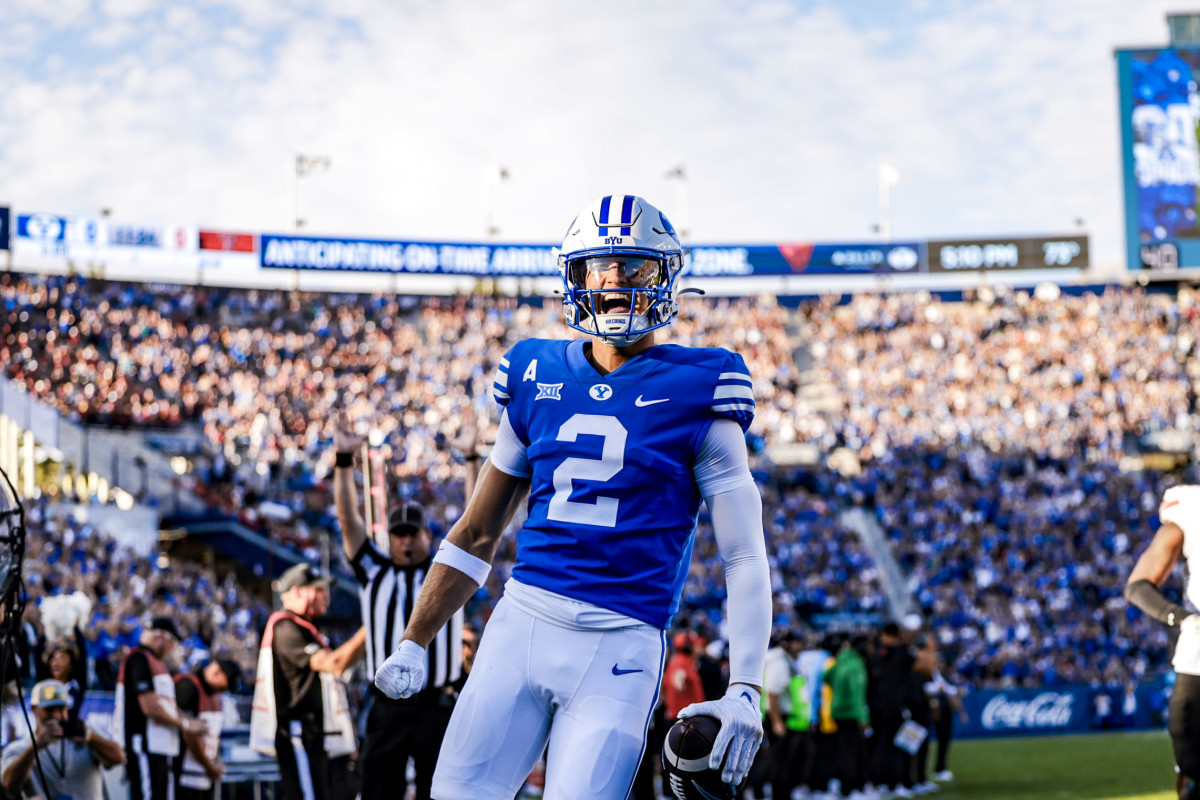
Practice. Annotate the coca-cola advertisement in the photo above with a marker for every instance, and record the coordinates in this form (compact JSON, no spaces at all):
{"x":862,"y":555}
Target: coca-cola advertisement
{"x":1022,"y":711}
{"x":1046,"y":710}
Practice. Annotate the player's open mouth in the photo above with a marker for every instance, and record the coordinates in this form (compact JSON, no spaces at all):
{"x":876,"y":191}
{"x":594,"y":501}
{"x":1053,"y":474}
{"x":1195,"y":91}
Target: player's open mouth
{"x":615,"y":303}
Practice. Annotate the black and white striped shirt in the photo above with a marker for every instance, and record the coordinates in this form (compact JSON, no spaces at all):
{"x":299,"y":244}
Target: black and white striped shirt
{"x":388,"y":594}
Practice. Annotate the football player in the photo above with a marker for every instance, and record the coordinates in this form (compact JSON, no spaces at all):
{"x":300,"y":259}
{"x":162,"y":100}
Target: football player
{"x":1178,"y":536}
{"x":616,"y":441}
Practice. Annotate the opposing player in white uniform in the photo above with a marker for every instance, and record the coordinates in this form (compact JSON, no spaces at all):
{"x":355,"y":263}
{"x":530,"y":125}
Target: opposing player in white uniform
{"x":616,"y":441}
{"x":1178,"y":536}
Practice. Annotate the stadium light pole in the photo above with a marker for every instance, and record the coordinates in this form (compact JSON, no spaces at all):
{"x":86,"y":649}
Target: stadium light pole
{"x":494,"y":174}
{"x":888,"y":177}
{"x":680,"y":174}
{"x":305,"y":166}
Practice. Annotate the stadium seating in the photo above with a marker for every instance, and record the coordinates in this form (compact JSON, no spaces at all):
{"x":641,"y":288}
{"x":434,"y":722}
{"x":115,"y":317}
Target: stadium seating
{"x":987,"y":436}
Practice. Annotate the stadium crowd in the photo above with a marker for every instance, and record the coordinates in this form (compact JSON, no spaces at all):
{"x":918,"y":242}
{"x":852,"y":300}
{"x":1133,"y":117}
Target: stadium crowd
{"x":990,"y":434}
{"x":1019,"y":563}
{"x":985,"y":430}
{"x":1005,"y":370}
{"x":114,"y":590}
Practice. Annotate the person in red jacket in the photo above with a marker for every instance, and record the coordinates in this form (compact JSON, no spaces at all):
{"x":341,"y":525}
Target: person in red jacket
{"x":681,"y":680}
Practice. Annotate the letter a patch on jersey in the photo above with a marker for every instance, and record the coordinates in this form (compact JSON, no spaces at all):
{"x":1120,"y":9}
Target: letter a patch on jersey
{"x":531,"y":374}
{"x":549,"y":391}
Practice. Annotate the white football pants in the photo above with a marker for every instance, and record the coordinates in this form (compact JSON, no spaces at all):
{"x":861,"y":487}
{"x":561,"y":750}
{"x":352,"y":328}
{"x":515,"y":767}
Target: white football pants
{"x":586,"y":694}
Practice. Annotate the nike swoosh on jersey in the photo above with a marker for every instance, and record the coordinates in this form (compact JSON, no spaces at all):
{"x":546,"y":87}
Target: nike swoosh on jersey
{"x":618,"y":671}
{"x":640,"y":403}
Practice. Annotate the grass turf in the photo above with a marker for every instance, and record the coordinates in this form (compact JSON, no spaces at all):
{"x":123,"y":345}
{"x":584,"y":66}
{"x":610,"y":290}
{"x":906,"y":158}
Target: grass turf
{"x":1113,"y":766}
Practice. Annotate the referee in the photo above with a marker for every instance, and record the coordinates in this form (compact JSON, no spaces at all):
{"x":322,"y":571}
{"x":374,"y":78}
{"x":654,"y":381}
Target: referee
{"x":388,"y":588}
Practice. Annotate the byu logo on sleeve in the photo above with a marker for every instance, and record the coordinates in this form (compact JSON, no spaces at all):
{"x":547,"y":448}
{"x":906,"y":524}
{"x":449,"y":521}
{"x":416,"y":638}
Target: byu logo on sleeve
{"x":600,"y":391}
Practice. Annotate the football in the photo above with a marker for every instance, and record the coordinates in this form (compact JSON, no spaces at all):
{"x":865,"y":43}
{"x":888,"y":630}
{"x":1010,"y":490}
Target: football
{"x":686,"y":774}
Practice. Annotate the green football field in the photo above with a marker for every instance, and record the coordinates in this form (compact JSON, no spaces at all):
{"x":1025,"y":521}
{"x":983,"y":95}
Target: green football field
{"x":1121,"y":766}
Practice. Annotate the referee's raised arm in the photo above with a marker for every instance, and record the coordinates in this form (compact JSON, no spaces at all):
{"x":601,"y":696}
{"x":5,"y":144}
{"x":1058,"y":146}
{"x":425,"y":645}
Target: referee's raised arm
{"x":345,"y":491}
{"x":392,"y":578}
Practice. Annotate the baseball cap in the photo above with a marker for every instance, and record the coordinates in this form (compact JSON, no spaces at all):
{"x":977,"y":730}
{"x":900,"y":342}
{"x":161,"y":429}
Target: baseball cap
{"x":233,"y":673}
{"x":50,"y":694}
{"x":407,"y":518}
{"x":164,"y":624}
{"x":300,"y":575}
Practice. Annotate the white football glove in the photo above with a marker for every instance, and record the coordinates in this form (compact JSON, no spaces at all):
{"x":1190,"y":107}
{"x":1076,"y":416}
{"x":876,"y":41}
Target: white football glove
{"x":741,"y":731}
{"x":403,"y":674}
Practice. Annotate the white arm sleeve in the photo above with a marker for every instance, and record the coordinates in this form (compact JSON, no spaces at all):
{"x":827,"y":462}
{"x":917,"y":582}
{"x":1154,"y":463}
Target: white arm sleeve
{"x":723,"y":473}
{"x":508,"y":455}
{"x":721,"y":464}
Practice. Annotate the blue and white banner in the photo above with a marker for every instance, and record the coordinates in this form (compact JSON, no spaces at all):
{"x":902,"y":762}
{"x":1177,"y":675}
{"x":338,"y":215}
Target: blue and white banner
{"x":805,"y":258}
{"x":51,"y":236}
{"x":281,"y":251}
{"x":384,"y":255}
{"x":97,"y":241}
{"x":158,"y":237}
{"x":157,"y":251}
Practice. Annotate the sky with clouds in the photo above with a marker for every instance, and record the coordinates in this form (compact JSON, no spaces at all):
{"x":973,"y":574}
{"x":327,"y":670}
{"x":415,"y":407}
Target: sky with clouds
{"x":1000,"y":115}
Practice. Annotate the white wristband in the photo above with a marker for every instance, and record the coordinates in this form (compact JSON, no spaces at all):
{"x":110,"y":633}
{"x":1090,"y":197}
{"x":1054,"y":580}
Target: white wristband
{"x":474,"y":568}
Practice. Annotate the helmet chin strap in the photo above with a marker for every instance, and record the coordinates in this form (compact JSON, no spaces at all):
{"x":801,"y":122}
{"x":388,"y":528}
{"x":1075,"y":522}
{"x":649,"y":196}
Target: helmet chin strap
{"x":622,"y":341}
{"x":634,"y":327}
{"x":623,"y":328}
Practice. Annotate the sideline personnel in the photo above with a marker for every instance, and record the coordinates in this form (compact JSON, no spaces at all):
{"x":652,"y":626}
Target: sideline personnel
{"x":145,"y":715}
{"x":300,"y":713}
{"x":198,"y":774}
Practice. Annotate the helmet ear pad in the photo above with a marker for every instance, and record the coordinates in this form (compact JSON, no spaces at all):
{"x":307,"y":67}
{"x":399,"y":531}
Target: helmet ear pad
{"x":667,"y":311}
{"x":571,"y":312}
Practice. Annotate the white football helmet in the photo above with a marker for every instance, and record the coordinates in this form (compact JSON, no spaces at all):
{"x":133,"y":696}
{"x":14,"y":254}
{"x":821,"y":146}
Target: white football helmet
{"x":632,"y":239}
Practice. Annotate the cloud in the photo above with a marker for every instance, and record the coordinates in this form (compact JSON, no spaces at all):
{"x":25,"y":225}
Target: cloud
{"x":999,"y":119}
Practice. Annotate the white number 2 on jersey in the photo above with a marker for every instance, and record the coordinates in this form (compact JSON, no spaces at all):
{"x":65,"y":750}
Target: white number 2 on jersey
{"x":612,"y":457}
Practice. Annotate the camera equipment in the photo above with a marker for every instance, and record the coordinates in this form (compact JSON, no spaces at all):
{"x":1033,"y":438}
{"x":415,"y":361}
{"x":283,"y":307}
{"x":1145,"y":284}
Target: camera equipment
{"x":74,"y":728}
{"x":12,"y":549}
{"x":12,"y":591}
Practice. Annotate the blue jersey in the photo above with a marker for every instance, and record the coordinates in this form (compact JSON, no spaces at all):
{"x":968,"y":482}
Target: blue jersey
{"x":612,"y":500}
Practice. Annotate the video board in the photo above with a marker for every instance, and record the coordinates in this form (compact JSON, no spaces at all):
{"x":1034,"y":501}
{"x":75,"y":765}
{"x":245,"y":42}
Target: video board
{"x":1160,"y":149}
